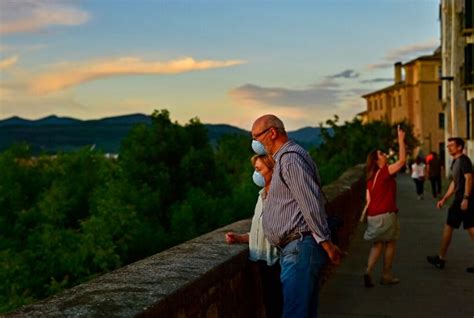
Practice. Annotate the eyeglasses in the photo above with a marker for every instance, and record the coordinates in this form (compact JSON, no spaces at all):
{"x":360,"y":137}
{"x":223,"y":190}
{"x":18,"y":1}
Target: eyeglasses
{"x":261,"y":133}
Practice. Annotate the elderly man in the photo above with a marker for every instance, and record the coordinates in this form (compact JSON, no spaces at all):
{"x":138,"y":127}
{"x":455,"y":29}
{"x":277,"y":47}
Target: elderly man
{"x":294,"y":219}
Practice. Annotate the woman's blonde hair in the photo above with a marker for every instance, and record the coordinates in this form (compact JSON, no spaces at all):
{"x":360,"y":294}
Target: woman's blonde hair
{"x":266,"y":159}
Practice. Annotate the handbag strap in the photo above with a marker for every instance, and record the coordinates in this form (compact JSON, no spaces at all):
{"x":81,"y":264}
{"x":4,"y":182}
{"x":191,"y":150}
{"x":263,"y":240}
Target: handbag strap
{"x":373,"y":184}
{"x":375,"y":179}
{"x":315,"y":177}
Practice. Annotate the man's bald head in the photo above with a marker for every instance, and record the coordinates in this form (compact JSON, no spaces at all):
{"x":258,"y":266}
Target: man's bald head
{"x":267,"y":121}
{"x":270,"y":131}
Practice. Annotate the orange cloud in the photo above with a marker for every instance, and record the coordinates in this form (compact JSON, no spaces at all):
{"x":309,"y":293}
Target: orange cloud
{"x":8,"y":62}
{"x":28,"y":16}
{"x":71,"y":74}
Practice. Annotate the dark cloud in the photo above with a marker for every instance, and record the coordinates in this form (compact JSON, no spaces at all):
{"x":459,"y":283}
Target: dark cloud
{"x":406,"y":52}
{"x":376,"y":80}
{"x":278,"y":96}
{"x":306,"y":106}
{"x":379,"y":66}
{"x":345,"y":74}
{"x":412,"y":50}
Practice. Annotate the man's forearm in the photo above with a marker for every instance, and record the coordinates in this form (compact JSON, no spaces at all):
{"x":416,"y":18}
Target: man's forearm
{"x":468,"y":185}
{"x":450,"y":191}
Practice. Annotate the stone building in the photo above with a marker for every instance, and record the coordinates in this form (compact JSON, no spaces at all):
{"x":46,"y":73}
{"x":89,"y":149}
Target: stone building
{"x":457,"y":55}
{"x":415,"y":97}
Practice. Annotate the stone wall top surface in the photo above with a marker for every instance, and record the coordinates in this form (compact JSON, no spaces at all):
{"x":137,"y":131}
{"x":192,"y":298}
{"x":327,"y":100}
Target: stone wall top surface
{"x":135,"y":288}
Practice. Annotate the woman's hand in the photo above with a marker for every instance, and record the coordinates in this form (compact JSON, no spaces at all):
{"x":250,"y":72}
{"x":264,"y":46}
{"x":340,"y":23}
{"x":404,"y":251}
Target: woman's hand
{"x":234,"y":238}
{"x":231,"y":238}
{"x":401,"y":134}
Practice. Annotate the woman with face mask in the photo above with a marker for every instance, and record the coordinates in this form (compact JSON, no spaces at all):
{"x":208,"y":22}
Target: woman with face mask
{"x":260,"y":250}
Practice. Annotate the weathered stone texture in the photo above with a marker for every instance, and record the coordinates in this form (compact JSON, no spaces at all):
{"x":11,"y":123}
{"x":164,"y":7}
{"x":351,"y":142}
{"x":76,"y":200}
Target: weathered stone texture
{"x":203,"y":277}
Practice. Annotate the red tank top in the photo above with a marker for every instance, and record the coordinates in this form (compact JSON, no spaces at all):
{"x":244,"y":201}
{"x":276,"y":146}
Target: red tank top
{"x":383,"y":195}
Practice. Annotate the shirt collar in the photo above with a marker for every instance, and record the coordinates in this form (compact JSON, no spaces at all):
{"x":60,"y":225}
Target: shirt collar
{"x":277,"y":155}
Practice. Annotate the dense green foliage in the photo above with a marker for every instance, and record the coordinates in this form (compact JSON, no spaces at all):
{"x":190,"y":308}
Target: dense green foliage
{"x":67,"y":218}
{"x":347,"y":145}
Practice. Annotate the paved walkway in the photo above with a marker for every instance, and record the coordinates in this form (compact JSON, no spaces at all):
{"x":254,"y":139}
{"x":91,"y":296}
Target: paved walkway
{"x":424,"y":291}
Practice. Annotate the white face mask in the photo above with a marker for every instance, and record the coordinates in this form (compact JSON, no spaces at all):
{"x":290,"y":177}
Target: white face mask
{"x":258,"y":147}
{"x":258,"y":179}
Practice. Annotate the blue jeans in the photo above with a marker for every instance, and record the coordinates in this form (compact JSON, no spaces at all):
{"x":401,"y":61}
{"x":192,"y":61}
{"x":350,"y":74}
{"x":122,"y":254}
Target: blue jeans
{"x":301,"y":263}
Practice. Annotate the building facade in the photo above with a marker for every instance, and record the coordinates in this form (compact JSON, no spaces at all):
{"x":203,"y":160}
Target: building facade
{"x":416,"y":98}
{"x":457,"y":51}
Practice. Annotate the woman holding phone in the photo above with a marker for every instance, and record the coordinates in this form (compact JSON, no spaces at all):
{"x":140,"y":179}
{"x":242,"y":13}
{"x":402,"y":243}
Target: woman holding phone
{"x":383,"y":227}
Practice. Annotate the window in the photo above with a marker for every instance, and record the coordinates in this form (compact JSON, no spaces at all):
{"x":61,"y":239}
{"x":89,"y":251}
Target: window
{"x":469,"y":14}
{"x":376,"y":105}
{"x":369,"y":105}
{"x":469,"y":64}
{"x":442,"y":151}
{"x":400,"y":100}
{"x":441,"y":120}
{"x":440,"y":92}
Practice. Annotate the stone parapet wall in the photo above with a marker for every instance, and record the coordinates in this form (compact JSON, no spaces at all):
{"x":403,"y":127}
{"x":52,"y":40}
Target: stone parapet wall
{"x":203,"y":277}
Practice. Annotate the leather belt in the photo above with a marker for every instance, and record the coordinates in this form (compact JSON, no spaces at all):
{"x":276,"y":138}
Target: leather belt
{"x":291,"y":237}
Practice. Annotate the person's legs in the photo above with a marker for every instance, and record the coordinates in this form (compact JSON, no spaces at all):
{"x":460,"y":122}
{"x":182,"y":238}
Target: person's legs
{"x":419,"y":187}
{"x":301,"y":263}
{"x":416,"y":185}
{"x":438,"y":182}
{"x":440,"y":259}
{"x":374,"y":256}
{"x":434,"y":189}
{"x":470,"y":230}
{"x":454,"y":220}
{"x":271,"y":285}
{"x":389,"y":255}
{"x":445,"y":241}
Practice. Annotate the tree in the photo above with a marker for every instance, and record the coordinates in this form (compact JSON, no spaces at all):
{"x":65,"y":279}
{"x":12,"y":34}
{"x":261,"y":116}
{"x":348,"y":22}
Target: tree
{"x":347,"y":145}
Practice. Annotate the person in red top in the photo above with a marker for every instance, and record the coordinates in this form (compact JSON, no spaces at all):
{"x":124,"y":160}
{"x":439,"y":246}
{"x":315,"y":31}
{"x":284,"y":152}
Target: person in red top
{"x":383,"y":227}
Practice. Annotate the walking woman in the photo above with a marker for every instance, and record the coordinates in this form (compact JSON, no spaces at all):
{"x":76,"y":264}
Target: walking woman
{"x":418,"y":169}
{"x":383,"y":228}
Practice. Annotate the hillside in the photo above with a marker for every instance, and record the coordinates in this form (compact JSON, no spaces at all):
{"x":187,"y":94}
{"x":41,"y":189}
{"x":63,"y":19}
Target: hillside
{"x":53,"y":133}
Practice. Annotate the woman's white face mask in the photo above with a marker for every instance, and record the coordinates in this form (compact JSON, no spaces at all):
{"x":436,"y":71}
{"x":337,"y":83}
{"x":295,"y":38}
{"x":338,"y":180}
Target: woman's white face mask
{"x":258,"y":179}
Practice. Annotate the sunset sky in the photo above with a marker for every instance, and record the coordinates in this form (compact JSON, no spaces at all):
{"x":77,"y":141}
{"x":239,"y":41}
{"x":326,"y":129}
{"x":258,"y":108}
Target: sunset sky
{"x":224,"y":61}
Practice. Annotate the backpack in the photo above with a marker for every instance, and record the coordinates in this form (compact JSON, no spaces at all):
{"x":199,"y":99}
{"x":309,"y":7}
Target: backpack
{"x":334,"y":221}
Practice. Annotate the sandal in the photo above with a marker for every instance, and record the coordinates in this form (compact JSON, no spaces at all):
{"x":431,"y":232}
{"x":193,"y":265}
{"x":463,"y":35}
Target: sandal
{"x":389,"y":281}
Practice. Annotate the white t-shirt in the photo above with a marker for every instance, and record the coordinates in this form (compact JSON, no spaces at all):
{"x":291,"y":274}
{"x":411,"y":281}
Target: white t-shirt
{"x":417,"y":170}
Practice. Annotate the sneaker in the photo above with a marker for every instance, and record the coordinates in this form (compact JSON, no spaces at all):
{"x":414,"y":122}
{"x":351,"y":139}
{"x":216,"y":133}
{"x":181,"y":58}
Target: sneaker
{"x":368,"y":281}
{"x":470,"y":269}
{"x":436,"y":261}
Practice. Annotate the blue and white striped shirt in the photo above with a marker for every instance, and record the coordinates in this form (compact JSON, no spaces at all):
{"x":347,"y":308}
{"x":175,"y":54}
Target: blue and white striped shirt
{"x":298,"y":207}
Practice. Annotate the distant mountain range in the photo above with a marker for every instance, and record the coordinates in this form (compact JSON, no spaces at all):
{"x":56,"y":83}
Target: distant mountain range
{"x":53,"y":133}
